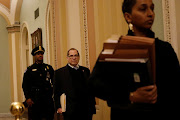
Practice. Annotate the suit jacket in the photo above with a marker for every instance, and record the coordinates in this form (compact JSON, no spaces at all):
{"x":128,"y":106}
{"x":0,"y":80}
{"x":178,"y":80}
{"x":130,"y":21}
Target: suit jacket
{"x":63,"y":84}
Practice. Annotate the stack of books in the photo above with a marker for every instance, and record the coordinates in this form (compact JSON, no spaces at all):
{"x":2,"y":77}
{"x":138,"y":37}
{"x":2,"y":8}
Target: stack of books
{"x":132,"y":57}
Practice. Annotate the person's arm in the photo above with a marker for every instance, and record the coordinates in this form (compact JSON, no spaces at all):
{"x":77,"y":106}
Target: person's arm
{"x":57,"y":91}
{"x":169,"y":71}
{"x":96,"y":84}
{"x":91,"y":98}
{"x":26,"y":85}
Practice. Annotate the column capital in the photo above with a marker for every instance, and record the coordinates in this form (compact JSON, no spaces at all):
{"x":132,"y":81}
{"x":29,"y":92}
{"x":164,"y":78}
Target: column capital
{"x":14,"y":28}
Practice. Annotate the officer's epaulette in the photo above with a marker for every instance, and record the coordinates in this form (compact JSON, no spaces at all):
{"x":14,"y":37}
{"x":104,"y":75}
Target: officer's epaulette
{"x":31,"y":66}
{"x":27,"y":68}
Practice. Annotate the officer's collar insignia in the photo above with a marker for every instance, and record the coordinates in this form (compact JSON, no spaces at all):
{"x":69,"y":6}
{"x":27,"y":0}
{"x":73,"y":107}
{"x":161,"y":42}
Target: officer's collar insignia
{"x":47,"y":67}
{"x":34,"y":69}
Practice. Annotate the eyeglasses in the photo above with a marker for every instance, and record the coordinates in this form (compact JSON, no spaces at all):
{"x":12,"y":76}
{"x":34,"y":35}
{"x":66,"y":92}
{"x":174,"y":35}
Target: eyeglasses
{"x":71,"y":56}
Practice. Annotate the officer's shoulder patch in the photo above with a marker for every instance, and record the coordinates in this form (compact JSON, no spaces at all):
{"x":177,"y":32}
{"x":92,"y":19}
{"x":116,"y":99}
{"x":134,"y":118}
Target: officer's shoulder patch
{"x":25,"y":70}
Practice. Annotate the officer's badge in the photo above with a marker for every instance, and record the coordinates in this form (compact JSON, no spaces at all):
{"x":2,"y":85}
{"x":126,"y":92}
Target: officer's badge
{"x":47,"y":76}
{"x":34,"y":69}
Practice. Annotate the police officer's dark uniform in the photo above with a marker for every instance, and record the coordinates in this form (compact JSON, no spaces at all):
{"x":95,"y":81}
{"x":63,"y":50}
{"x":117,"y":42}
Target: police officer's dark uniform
{"x":37,"y":85}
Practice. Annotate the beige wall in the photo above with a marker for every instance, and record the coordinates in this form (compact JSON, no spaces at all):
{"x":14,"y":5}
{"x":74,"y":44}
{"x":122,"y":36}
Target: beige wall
{"x":158,"y":22}
{"x":27,"y":16}
{"x":109,"y":20}
{"x":61,"y":34}
{"x":5,"y":89}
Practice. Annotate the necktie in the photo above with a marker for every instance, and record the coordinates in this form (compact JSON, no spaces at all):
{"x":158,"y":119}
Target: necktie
{"x":75,"y":68}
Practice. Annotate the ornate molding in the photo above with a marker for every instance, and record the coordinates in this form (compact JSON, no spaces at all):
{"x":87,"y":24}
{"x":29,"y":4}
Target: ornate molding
{"x":54,"y":31}
{"x":51,"y":10}
{"x":166,"y":15}
{"x":47,"y":32}
{"x":170,"y":24}
{"x":86,"y":33}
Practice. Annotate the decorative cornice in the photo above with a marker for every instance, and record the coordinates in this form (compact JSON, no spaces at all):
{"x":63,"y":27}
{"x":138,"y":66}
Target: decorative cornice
{"x":13,"y":28}
{"x":86,"y":33}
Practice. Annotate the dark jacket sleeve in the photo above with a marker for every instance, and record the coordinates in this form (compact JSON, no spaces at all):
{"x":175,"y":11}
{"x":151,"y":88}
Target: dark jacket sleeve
{"x":57,"y":88}
{"x":96,"y":83}
{"x":168,"y":76}
{"x":91,"y":97}
{"x":105,"y":83}
{"x":26,"y":85}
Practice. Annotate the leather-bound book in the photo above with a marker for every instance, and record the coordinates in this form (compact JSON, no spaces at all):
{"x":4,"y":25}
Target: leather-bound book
{"x":132,"y":57}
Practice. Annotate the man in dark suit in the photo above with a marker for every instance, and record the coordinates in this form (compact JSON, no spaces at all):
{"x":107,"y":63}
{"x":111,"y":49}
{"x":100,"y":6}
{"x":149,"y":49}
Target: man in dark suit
{"x":72,"y":81}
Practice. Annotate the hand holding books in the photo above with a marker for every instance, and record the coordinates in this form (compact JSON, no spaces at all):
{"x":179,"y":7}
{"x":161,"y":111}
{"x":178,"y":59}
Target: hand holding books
{"x":144,"y":95}
{"x":63,"y":104}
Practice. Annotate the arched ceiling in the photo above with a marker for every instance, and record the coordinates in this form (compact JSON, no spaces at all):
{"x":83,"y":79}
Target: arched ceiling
{"x":6,"y":3}
{"x":10,"y":9}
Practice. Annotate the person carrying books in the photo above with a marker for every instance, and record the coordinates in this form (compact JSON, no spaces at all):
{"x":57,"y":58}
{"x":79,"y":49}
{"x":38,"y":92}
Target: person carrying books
{"x":71,"y":81}
{"x":153,"y":100}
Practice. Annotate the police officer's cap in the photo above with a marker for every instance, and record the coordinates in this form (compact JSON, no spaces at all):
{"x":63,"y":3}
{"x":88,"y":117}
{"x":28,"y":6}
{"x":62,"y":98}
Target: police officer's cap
{"x":37,"y":49}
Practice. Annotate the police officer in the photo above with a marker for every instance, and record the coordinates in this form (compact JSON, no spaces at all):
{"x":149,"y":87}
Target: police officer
{"x":38,"y":87}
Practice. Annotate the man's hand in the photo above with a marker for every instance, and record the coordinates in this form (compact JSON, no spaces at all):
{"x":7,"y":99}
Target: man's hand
{"x":59,"y":110}
{"x":29,"y":102}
